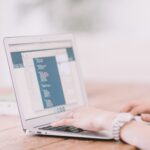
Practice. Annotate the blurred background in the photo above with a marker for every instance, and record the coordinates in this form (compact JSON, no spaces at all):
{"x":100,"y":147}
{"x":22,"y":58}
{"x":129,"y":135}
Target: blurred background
{"x":112,"y":37}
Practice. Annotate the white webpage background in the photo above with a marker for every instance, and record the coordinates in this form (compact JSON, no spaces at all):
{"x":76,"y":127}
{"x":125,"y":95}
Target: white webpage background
{"x":69,"y":79}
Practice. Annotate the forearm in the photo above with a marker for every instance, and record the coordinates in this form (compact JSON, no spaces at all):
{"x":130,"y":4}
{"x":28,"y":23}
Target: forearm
{"x":93,"y":119}
{"x":136,"y":134}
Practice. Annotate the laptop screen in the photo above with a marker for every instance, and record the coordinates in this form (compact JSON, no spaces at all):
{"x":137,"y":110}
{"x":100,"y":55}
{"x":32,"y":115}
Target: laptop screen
{"x":46,"y":78}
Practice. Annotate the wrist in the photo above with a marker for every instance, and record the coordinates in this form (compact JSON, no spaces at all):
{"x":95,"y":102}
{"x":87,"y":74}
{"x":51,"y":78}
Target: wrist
{"x":107,"y":121}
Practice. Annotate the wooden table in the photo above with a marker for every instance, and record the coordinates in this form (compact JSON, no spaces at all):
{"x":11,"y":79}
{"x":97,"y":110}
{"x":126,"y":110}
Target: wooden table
{"x":106,"y":96}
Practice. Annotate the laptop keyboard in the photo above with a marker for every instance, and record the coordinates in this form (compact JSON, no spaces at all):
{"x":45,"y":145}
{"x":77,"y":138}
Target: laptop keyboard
{"x":63,"y":128}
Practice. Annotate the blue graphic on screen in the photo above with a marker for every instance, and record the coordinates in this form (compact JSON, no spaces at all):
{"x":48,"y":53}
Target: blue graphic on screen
{"x":49,"y":81}
{"x":70,"y":54}
{"x":17,"y":59}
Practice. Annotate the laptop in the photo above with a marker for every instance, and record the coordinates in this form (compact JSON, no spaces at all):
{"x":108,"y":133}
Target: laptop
{"x":47,"y":83}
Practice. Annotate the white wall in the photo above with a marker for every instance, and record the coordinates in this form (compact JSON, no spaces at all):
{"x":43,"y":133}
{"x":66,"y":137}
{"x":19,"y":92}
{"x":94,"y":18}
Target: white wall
{"x":118,"y":52}
{"x":13,"y":24}
{"x":115,"y":58}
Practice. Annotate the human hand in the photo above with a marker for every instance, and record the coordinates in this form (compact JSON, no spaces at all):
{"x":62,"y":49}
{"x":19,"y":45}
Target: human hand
{"x":88,"y":118}
{"x":138,"y":108}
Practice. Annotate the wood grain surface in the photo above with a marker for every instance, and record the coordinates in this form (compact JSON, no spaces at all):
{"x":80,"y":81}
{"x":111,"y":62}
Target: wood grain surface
{"x":106,"y":96}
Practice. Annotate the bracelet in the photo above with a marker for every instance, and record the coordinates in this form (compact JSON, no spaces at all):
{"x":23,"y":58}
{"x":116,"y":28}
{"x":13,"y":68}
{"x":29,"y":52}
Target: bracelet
{"x":120,"y":120}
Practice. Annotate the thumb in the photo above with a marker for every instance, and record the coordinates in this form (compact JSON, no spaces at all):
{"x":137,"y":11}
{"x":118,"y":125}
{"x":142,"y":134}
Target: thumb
{"x":145,"y":117}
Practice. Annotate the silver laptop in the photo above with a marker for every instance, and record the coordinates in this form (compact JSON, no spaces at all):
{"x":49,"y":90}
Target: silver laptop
{"x":47,"y":83}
